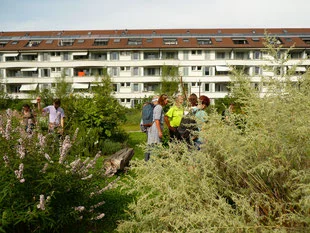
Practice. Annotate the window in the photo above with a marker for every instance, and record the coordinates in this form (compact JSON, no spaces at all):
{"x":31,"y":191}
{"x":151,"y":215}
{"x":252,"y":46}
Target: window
{"x":114,"y":71}
{"x":135,"y":55}
{"x":55,"y":54}
{"x":288,"y":39}
{"x":151,"y":71}
{"x":220,"y":55}
{"x":80,"y":41}
{"x":101,"y":42}
{"x":114,"y":55}
{"x":196,"y":52}
{"x":125,"y":53}
{"x":207,"y":71}
{"x":277,"y":70}
{"x":170,"y":55}
{"x":185,"y":40}
{"x":168,"y":41}
{"x":125,"y":84}
{"x":117,"y":40}
{"x":135,"y":71}
{"x":125,"y":68}
{"x":257,"y":54}
{"x":114,"y":86}
{"x":99,"y":56}
{"x":150,"y":86}
{"x":49,"y":42}
{"x":241,"y":55}
{"x":134,"y":42}
{"x":221,"y":87}
{"x":240,"y":41}
{"x":33,"y":43}
{"x":66,"y":42}
{"x":257,"y":70}
{"x":151,"y":55}
{"x":149,"y":40}
{"x":135,"y":87}
{"x":196,"y":68}
{"x":3,"y":43}
{"x":276,"y":40}
{"x":306,"y":40}
{"x":207,"y":86}
{"x":185,"y":71}
{"x":55,"y":69}
{"x":204,"y":41}
{"x":218,"y":39}
{"x":14,"y":42}
{"x":255,"y":39}
{"x":295,"y":55}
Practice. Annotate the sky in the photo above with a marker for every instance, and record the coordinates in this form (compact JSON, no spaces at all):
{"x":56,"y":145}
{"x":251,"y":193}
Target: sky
{"x":46,"y":15}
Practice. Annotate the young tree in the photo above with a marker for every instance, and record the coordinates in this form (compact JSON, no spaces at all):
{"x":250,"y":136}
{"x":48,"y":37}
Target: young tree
{"x":170,"y":80}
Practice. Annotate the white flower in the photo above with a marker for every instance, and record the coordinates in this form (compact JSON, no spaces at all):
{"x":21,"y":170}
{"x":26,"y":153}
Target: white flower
{"x":42,"y":203}
{"x":79,"y":208}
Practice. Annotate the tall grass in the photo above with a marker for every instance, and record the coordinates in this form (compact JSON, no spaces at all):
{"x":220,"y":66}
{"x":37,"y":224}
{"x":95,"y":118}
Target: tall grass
{"x":251,"y":175}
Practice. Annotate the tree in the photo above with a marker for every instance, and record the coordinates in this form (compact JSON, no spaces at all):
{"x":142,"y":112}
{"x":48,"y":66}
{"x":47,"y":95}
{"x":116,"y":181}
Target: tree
{"x":170,"y":80}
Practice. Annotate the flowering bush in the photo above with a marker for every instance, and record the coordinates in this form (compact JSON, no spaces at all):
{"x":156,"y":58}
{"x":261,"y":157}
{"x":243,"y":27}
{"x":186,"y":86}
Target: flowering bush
{"x":43,"y":186}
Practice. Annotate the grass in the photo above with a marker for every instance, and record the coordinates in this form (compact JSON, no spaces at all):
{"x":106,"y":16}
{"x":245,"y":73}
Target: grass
{"x":136,"y":139}
{"x":116,"y":200}
{"x":133,"y":120}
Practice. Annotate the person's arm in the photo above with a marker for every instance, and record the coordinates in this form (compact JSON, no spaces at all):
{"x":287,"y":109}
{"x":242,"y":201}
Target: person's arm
{"x":166,"y":118}
{"x":39,"y":105}
{"x":160,"y":133}
{"x":167,"y":121}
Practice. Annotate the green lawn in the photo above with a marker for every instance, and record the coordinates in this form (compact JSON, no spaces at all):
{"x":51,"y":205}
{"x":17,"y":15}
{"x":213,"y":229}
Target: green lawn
{"x":135,"y":139}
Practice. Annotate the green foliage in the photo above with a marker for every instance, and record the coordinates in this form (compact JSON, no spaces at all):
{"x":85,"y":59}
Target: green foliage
{"x":98,"y":115}
{"x":5,"y":99}
{"x":45,"y":186}
{"x":101,"y":112}
{"x":169,"y":80}
{"x":252,"y":176}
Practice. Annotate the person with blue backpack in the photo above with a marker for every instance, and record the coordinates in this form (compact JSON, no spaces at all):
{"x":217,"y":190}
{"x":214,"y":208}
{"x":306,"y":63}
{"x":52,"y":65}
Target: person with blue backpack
{"x":155,"y":131}
{"x":147,"y":114}
{"x":147,"y":120}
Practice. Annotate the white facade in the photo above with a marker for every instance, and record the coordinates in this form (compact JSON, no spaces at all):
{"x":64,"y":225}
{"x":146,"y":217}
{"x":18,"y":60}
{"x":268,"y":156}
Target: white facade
{"x":136,"y":72}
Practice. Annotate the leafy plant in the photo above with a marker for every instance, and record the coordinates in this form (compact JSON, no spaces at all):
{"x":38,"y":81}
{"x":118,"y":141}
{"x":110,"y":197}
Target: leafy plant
{"x":169,"y":80}
{"x":44,"y":186}
{"x":248,"y":177}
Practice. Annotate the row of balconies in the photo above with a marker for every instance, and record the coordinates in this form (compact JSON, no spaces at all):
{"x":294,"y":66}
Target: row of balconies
{"x":126,"y":71}
{"x":150,"y":55}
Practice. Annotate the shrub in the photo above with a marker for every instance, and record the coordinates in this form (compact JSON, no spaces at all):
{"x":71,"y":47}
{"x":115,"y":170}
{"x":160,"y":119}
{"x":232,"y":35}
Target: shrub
{"x":251,"y":174}
{"x":44,"y":186}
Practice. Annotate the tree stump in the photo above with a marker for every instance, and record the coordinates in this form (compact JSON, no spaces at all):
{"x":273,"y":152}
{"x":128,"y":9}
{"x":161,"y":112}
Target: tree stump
{"x":118,"y":161}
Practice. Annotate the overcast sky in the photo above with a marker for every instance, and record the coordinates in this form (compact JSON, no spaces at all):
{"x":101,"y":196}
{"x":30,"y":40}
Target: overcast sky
{"x":30,"y":15}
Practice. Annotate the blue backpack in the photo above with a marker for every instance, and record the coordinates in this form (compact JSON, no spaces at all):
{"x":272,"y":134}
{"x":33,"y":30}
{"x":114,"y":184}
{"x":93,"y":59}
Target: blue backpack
{"x":147,"y":116}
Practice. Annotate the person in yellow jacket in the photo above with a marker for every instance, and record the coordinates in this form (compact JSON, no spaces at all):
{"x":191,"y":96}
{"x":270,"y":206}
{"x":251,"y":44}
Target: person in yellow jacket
{"x":174,"y":116}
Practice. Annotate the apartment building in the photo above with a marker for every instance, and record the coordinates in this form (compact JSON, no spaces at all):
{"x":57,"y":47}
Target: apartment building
{"x":33,"y":60}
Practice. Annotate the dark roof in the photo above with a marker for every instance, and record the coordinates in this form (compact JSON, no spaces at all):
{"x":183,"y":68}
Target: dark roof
{"x":185,"y":38}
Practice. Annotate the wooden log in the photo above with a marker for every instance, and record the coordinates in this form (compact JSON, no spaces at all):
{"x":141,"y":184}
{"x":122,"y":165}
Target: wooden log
{"x":118,"y":161}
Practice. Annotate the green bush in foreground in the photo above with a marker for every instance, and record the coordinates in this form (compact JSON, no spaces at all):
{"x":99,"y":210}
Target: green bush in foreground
{"x":251,"y":175}
{"x":43,"y":186}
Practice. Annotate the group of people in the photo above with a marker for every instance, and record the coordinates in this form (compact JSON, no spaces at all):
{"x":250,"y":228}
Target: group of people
{"x":55,"y":112}
{"x":173,"y":117}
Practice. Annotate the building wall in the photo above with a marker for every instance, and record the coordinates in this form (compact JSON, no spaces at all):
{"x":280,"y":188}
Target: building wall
{"x":137,"y":71}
